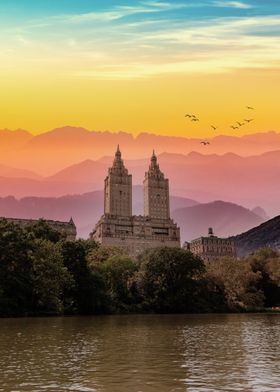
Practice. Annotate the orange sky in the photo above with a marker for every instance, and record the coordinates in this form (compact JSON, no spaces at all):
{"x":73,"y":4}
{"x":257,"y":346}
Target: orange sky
{"x":141,"y":67}
{"x":41,"y":102}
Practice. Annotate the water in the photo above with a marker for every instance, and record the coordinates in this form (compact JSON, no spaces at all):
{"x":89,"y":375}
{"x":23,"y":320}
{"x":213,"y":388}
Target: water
{"x":197,"y":353}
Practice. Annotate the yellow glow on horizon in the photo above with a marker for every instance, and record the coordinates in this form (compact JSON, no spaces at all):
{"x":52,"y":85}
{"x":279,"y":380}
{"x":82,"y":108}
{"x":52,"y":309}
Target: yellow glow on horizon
{"x":39,"y":101}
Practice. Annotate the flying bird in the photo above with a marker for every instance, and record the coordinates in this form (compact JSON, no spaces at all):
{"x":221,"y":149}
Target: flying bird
{"x":204,"y":143}
{"x":250,"y":107}
{"x":188,"y":115}
{"x":195,"y":119}
{"x":248,"y":121}
{"x":213,"y":127}
{"x":240,"y":124}
{"x":233,"y":127}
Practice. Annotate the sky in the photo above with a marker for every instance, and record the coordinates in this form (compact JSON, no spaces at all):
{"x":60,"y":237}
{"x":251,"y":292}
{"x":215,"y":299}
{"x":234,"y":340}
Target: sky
{"x":140,"y":66}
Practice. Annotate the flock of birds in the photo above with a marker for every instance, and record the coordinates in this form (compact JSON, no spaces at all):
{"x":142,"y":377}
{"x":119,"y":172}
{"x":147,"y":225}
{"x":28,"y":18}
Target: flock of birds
{"x":194,"y":118}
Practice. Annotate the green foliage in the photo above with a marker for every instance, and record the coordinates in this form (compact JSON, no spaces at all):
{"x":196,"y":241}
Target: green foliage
{"x":118,"y":272}
{"x":15,"y":269}
{"x":99,"y":254}
{"x":237,"y":281}
{"x":266,"y":262}
{"x":50,"y":277}
{"x":87,"y":295}
{"x":43,"y":273}
{"x":42,"y":230}
{"x":169,"y":279}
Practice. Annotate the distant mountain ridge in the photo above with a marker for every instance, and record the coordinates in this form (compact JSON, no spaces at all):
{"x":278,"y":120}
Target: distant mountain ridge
{"x":11,"y":172}
{"x":248,"y":181}
{"x":265,"y":235}
{"x":85,"y":209}
{"x":193,"y":218}
{"x":60,"y":147}
{"x":226,"y":219}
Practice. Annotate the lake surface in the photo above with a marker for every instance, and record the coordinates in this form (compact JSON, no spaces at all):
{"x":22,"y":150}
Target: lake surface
{"x":143,"y":353}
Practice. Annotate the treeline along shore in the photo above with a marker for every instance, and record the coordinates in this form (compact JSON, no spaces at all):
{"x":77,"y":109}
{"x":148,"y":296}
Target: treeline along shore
{"x":41,"y":273}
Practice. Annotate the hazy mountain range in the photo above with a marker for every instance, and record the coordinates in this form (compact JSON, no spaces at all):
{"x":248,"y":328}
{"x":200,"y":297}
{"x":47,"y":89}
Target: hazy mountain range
{"x":226,"y":219}
{"x":193,"y":218}
{"x":51,"y":151}
{"x":249,"y":181}
{"x":59,"y":174}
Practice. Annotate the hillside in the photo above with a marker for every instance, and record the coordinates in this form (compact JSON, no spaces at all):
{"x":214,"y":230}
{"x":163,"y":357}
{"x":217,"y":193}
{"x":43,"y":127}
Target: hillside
{"x":265,"y":235}
{"x":11,"y":172}
{"x":226,"y":219}
{"x":85,"y":209}
{"x":193,"y":218}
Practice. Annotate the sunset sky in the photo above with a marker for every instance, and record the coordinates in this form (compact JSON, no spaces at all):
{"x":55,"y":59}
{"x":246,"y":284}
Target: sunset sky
{"x":140,"y":65}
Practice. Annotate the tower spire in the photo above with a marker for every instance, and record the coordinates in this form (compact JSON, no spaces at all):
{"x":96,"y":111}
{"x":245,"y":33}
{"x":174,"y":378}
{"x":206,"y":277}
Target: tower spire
{"x":118,"y":152}
{"x":118,"y":162}
{"x":154,"y":167}
{"x":153,"y":159}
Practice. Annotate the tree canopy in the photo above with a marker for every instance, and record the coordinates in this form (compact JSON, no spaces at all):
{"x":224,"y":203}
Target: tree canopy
{"x":41,"y":273}
{"x":169,"y":279}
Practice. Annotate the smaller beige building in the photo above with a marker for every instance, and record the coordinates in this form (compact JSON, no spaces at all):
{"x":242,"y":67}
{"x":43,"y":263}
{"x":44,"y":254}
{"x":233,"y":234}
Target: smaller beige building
{"x":212,"y":247}
{"x":67,"y":228}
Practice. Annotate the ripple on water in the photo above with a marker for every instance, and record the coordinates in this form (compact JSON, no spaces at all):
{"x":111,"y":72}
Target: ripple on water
{"x":203,"y":353}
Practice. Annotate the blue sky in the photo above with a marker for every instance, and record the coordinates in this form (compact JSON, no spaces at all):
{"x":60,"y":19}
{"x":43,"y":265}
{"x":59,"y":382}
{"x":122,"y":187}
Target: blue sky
{"x":99,"y":38}
{"x":24,"y":10}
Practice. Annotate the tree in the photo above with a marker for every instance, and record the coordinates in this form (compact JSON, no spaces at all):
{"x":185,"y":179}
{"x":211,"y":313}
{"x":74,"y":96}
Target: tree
{"x":87,"y":295}
{"x":266,"y":262}
{"x":117,"y":272}
{"x":50,"y":277}
{"x":15,"y":269}
{"x":169,"y":279}
{"x":42,"y":230}
{"x":237,"y":281}
{"x":99,"y":254}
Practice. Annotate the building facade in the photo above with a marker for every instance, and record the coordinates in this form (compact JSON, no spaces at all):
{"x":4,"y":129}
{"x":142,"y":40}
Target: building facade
{"x":212,"y":247}
{"x":118,"y":227}
{"x":66,"y":228}
{"x":156,"y":192}
{"x":118,"y":189}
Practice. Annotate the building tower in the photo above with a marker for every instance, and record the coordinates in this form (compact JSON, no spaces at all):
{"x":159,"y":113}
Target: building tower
{"x":134,"y":234}
{"x":156,"y":192}
{"x":118,"y":189}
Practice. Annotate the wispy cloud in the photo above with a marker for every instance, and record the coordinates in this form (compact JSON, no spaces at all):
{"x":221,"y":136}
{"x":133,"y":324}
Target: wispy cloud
{"x":231,"y":4}
{"x":166,"y":5}
{"x":126,"y":42}
{"x":120,"y":12}
{"x":220,"y":46}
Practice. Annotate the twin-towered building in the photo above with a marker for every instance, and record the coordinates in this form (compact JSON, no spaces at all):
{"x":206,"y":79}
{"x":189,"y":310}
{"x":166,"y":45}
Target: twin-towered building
{"x":118,"y":227}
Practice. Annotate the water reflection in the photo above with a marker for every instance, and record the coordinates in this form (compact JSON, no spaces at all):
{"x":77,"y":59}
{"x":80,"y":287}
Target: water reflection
{"x":141,"y":353}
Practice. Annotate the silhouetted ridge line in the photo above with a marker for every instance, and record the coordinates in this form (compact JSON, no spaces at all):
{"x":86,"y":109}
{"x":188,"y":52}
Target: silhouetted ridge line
{"x":266,"y":234}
